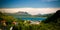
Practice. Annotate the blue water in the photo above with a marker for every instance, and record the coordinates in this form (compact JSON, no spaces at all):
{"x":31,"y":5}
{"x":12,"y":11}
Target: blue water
{"x":30,"y":18}
{"x":33,"y":18}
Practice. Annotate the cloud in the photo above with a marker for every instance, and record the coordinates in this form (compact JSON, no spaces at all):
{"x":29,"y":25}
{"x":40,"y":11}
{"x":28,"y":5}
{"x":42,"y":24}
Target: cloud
{"x":32,"y":11}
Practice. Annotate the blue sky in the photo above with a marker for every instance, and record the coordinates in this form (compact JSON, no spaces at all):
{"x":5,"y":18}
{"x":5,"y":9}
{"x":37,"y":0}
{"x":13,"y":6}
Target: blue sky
{"x":29,"y":3}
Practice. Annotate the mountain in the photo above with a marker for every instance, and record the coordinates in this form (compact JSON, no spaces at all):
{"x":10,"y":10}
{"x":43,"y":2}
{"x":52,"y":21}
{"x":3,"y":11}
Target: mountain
{"x":20,"y":13}
{"x":54,"y":18}
{"x":44,"y":15}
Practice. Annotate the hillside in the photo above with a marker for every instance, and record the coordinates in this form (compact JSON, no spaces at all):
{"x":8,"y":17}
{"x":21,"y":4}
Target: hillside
{"x":53,"y":22}
{"x":54,"y":17}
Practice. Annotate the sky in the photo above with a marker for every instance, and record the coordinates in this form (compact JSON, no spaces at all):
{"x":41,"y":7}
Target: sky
{"x":30,"y":3}
{"x":31,"y":6}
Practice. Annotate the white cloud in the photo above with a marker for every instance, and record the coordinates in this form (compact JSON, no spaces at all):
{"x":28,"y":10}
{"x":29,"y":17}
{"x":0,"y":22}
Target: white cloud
{"x":32,"y":11}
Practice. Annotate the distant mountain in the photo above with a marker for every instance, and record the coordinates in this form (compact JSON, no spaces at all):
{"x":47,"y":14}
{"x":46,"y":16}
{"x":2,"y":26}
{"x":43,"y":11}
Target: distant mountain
{"x":20,"y":13}
{"x":44,"y":15}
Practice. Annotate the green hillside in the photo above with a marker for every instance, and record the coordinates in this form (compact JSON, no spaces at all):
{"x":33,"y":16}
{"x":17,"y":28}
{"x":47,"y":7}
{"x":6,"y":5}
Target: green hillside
{"x":51,"y":23}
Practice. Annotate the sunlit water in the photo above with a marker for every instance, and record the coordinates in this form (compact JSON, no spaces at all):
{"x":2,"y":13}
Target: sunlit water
{"x":31,"y":18}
